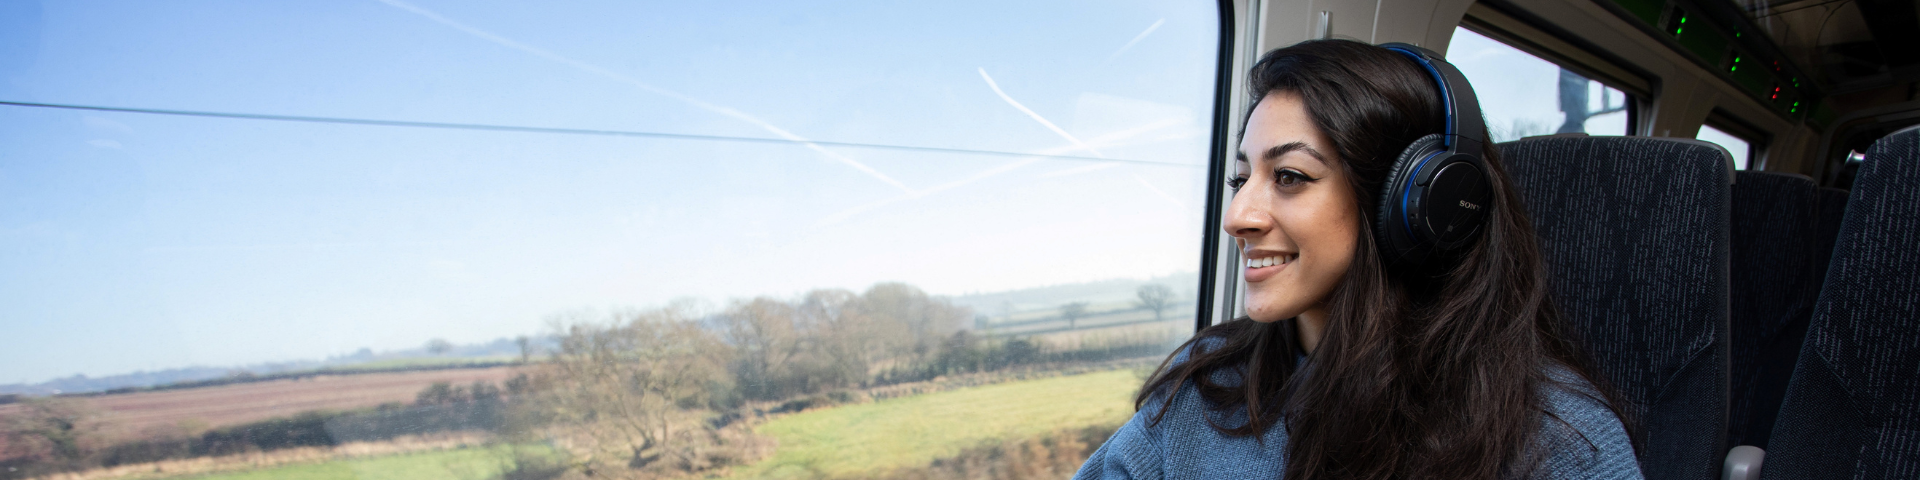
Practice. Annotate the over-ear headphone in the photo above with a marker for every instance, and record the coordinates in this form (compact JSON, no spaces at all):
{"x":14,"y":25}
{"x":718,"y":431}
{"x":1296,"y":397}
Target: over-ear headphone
{"x":1437,"y":194}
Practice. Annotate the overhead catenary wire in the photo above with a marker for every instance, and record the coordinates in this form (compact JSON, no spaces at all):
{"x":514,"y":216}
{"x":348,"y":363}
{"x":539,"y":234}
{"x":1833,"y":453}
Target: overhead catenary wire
{"x":577,"y":131}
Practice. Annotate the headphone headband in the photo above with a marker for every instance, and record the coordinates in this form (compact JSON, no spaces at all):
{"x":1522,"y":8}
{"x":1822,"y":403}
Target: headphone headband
{"x":1466,"y":131}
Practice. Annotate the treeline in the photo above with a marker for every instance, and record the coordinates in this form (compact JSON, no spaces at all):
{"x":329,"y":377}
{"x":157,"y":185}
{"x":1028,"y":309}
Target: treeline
{"x":660,"y":393}
{"x":637,"y":394}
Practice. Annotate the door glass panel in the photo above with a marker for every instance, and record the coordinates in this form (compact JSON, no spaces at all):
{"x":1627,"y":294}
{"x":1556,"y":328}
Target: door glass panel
{"x":460,"y":239}
{"x":1523,"y":95}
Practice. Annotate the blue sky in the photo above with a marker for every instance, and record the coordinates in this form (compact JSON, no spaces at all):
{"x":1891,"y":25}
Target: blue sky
{"x":133,"y":241}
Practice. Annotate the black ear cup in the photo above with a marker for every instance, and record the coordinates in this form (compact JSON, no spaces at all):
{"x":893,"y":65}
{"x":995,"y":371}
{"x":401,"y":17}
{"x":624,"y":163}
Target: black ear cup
{"x":1391,"y":231}
{"x":1433,"y":200}
{"x":1455,"y":204}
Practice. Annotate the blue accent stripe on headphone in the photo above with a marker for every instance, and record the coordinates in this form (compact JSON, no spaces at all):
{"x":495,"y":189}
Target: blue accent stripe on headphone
{"x":1405,"y":192}
{"x":1441,"y":82}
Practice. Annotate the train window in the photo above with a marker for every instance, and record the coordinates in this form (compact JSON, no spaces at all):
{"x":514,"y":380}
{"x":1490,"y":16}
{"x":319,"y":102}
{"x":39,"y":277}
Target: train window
{"x":1740,"y":148}
{"x":1523,"y":95}
{"x":453,"y":239}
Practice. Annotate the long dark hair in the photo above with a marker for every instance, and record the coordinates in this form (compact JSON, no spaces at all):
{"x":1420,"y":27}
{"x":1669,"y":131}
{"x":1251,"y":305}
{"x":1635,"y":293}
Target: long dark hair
{"x":1422,"y":374}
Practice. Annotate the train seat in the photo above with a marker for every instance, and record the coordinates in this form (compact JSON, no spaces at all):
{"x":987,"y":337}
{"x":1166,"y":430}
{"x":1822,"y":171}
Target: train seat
{"x":1773,"y":289}
{"x":1779,"y":354}
{"x":1852,"y":408}
{"x":1833,"y":208}
{"x":1635,"y":233}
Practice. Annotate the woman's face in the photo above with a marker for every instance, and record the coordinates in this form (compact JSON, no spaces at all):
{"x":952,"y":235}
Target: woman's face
{"x":1295,"y":218}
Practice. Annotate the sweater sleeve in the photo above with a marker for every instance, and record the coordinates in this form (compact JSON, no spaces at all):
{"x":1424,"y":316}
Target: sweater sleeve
{"x":1130,"y":454}
{"x":1584,"y":438}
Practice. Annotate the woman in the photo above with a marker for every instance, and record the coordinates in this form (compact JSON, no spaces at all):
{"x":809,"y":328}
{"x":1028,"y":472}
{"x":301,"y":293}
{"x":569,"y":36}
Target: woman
{"x":1351,"y":363}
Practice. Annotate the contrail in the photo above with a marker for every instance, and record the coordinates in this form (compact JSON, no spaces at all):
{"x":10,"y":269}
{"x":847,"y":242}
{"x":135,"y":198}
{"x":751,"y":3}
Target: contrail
{"x":1114,"y":138}
{"x":1035,"y":116}
{"x":1137,"y":38}
{"x":1109,"y":140}
{"x":982,"y":175}
{"x":616,"y":76}
{"x":1162,"y":193}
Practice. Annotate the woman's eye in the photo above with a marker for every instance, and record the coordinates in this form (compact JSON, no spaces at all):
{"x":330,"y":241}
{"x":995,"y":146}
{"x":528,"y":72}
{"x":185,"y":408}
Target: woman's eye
{"x":1288,"y":178}
{"x":1236,"y":183}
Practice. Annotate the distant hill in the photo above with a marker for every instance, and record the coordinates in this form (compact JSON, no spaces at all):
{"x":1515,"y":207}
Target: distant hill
{"x":1049,"y":298}
{"x":1023,"y":305}
{"x":365,"y":359}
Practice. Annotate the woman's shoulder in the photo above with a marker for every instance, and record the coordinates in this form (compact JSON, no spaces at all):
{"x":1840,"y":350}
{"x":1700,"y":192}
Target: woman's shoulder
{"x":1580,"y":434}
{"x":1173,"y":435}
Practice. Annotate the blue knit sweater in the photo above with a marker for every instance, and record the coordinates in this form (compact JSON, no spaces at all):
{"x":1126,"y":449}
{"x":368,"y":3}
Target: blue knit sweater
{"x":1183,"y":445}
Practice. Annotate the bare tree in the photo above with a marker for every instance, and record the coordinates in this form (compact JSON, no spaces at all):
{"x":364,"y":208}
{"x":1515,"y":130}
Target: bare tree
{"x":850,"y":341}
{"x":1154,"y":297}
{"x":439,"y":346}
{"x":927,"y":319}
{"x":767,"y":342}
{"x":1072,"y":311}
{"x":526,"y":348}
{"x":634,"y":388}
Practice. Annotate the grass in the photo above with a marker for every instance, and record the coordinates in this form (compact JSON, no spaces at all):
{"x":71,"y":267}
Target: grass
{"x":460,"y":464}
{"x":848,"y":440}
{"x":913,"y":431}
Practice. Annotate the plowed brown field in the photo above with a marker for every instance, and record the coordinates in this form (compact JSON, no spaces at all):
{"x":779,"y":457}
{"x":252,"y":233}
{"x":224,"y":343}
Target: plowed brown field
{"x":247,"y":402}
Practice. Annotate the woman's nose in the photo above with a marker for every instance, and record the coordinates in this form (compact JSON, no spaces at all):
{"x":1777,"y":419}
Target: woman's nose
{"x":1246,"y":218}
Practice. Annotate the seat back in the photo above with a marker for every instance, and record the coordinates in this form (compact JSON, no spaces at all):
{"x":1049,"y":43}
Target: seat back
{"x":1772,"y":286}
{"x":1833,"y":207}
{"x":1634,"y":230}
{"x":1852,"y":409}
{"x":1774,"y":368}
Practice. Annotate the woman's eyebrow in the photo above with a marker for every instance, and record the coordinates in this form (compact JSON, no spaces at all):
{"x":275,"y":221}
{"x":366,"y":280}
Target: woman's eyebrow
{"x":1281,"y":150}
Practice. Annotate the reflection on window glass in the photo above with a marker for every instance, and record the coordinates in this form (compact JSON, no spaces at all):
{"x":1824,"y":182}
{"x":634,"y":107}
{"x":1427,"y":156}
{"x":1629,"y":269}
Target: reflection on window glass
{"x":1737,"y":147}
{"x":1523,"y":95}
{"x":639,"y":240}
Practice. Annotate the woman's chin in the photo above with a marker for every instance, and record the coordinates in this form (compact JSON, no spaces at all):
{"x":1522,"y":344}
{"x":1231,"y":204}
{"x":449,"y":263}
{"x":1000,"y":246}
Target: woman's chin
{"x":1263,"y":313}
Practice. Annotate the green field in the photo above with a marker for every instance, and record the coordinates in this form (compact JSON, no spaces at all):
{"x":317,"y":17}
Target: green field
{"x":462,"y":464}
{"x":840,"y":441}
{"x":913,"y":431}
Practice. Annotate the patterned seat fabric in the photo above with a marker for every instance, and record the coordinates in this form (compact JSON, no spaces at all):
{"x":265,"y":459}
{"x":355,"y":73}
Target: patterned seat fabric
{"x":1852,"y":409}
{"x":1778,"y":356}
{"x":1635,"y":232}
{"x":1773,"y":289}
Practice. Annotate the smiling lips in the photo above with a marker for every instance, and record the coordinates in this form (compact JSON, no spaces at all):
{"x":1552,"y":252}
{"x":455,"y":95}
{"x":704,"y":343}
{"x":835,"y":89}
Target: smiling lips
{"x":1264,"y":267}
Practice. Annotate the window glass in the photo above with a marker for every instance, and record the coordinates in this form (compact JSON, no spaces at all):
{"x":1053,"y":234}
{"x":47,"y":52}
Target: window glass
{"x":1736,"y":146}
{"x":460,"y":239}
{"x":1523,"y":95}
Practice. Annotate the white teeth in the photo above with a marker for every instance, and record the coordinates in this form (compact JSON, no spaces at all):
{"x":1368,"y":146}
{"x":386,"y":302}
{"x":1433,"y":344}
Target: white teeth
{"x":1269,"y":261}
